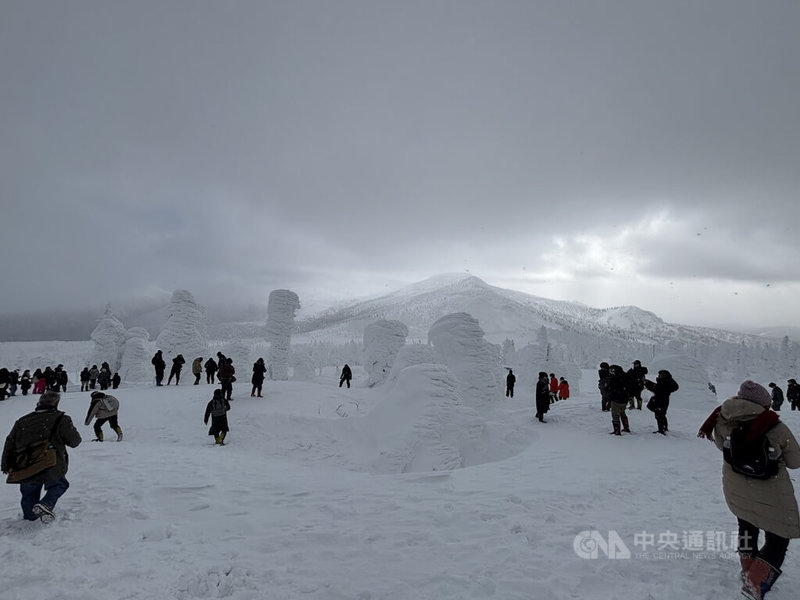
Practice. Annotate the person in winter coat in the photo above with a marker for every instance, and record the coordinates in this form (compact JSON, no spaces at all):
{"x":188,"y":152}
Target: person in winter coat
{"x":45,"y":421}
{"x":563,"y":389}
{"x":60,"y":379}
{"x":259,"y":370}
{"x":159,"y":365}
{"x":13,"y":381}
{"x":602,"y":373}
{"x":542,"y":396}
{"x":792,"y":394}
{"x":177,"y":365}
{"x":226,"y":375}
{"x":115,"y":381}
{"x":777,"y":397}
{"x":4,"y":379}
{"x":662,"y":388}
{"x":346,"y":376}
{"x":217,"y":408}
{"x":197,"y":369}
{"x":25,"y":382}
{"x":511,"y":379}
{"x":553,"y":388}
{"x":50,"y":378}
{"x":94,"y":374}
{"x":84,"y":376}
{"x":211,"y":369}
{"x":39,"y":382}
{"x":616,"y":387}
{"x":758,"y":504}
{"x":104,"y":408}
{"x":636,"y":376}
{"x":104,"y":378}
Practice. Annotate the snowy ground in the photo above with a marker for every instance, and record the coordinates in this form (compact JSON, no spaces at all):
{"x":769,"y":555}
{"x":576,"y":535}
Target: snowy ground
{"x":307,"y":501}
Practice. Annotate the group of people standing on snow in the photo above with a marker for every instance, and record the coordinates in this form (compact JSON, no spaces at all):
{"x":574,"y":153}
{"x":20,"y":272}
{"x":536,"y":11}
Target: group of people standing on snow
{"x":40,"y":381}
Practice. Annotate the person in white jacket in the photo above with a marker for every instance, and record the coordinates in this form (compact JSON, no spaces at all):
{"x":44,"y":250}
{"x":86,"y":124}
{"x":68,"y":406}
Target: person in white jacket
{"x":104,"y":407}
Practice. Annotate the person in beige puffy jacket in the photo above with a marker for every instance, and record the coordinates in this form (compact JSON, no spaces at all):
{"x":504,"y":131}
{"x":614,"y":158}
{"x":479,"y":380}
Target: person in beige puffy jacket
{"x":758,"y":504}
{"x":104,"y":407}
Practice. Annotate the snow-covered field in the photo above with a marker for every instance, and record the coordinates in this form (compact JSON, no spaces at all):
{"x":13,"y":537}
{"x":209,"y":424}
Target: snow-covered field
{"x":330,"y":493}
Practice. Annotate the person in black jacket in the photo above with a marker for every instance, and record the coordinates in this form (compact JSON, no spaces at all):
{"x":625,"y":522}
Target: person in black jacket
{"x":46,"y":422}
{"x":777,"y":397}
{"x":793,"y":394}
{"x":636,"y":377}
{"x":542,"y":395}
{"x":616,"y":388}
{"x":662,"y":388}
{"x":511,"y":379}
{"x":159,"y":364}
{"x":211,"y":369}
{"x":347,"y":375}
{"x":259,"y":370}
{"x":602,"y":373}
{"x":217,"y":408}
{"x":177,"y":365}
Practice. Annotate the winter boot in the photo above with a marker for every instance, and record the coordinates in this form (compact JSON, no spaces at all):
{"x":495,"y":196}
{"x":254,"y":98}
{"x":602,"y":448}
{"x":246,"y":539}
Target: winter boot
{"x":99,"y":437}
{"x":759,"y":579}
{"x":119,"y":434}
{"x":639,"y":404}
{"x":222,"y":439}
{"x":44,"y":512}
{"x":625,"y":427}
{"x":616,"y":429}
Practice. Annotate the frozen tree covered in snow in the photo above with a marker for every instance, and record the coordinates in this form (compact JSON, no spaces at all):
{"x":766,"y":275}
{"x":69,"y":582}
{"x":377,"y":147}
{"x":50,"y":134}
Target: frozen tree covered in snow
{"x":413,"y":354}
{"x":459,"y":341}
{"x":282,"y":306}
{"x":302,"y":365}
{"x":382,"y":342}
{"x":108,"y":337}
{"x":243,"y":360}
{"x":136,"y":355}
{"x":185,"y":329}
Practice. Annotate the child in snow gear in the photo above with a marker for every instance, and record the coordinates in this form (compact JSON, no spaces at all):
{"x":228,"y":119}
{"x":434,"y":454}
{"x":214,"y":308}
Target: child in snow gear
{"x":663,"y":386}
{"x":758,"y":504}
{"x":217,"y":408}
{"x":347,"y":375}
{"x":616,"y":388}
{"x":105,"y":408}
{"x":542,"y":396}
{"x":44,"y":423}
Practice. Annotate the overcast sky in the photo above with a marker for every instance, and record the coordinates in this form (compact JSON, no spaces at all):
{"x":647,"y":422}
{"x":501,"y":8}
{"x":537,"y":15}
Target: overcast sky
{"x":619,"y":152}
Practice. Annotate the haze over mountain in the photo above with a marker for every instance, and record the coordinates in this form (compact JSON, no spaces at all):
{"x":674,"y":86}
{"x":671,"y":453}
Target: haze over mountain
{"x":502,"y":313}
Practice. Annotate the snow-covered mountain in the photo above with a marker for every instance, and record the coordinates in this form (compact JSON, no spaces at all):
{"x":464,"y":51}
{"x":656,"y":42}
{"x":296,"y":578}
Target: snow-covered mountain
{"x":502,"y":314}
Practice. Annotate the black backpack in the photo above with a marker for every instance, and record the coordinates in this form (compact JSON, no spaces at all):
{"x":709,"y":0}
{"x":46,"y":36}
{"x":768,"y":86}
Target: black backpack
{"x":756,"y":458}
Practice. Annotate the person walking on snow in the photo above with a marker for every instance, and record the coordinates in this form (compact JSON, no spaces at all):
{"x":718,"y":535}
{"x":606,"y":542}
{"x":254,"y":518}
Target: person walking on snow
{"x":159,"y":364}
{"x":553,"y":388}
{"x":563,"y":389}
{"x":34,"y":427}
{"x":636,"y":377}
{"x":259,"y":370}
{"x":511,"y":379}
{"x":347,"y":375}
{"x":177,"y":365}
{"x":104,"y":408}
{"x":542,"y":396}
{"x":662,"y":388}
{"x":792,"y":394}
{"x":777,"y":397}
{"x":211,"y":369}
{"x":758,"y":504}
{"x":615,"y":386}
{"x":197,"y":369}
{"x":217,"y":408}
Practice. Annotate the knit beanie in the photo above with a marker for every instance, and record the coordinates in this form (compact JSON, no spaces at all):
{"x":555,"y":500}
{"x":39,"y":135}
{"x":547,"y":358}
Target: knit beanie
{"x":750,"y":390}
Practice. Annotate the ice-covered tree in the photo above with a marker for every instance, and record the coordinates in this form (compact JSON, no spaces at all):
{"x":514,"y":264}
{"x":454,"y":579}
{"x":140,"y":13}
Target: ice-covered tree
{"x":282,"y":306}
{"x":458,"y":340}
{"x":243,"y":360}
{"x":109,"y":338}
{"x":136,"y":355}
{"x":185,"y":329}
{"x":382,"y":341}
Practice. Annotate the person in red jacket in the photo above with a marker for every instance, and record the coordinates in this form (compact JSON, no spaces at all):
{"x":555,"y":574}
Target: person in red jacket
{"x":563,"y":389}
{"x":553,"y":388}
